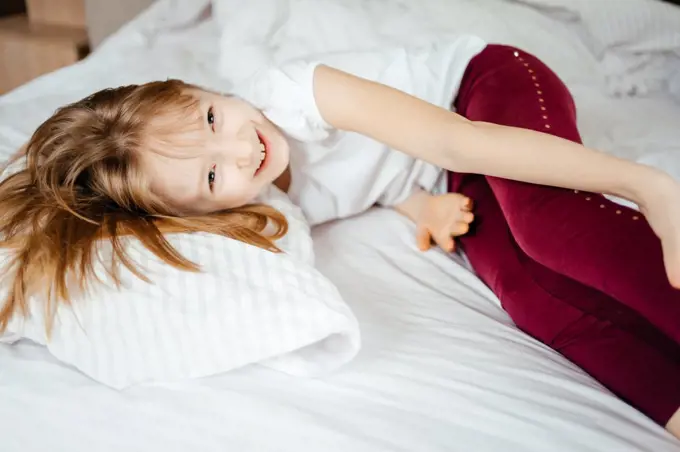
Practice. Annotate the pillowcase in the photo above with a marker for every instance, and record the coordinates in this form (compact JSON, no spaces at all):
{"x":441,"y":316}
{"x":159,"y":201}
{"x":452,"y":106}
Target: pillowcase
{"x":246,"y":306}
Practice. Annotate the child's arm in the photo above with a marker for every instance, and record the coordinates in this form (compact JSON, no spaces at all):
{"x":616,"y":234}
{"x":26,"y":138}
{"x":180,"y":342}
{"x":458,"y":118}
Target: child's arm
{"x":450,"y":141}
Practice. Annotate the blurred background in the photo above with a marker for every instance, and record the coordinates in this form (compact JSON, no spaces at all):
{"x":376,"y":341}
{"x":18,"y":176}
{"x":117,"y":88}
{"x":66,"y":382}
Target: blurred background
{"x":39,"y":36}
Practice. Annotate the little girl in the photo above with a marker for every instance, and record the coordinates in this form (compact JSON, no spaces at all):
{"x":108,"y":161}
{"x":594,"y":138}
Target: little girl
{"x":340,"y":134}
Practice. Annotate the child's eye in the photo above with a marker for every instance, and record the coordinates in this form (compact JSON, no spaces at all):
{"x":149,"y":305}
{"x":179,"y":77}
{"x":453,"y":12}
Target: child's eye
{"x":211,"y":177}
{"x":211,"y":118}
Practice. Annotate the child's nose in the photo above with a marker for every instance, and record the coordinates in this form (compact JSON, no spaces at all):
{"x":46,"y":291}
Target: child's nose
{"x":242,"y":153}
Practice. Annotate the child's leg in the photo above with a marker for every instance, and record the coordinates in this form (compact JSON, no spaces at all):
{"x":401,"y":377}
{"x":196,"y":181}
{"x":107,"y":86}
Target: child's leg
{"x":581,"y":235}
{"x":609,"y":341}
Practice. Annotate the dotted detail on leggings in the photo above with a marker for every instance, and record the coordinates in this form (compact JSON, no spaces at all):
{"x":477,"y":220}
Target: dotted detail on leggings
{"x":544,"y":115}
{"x":539,"y":91}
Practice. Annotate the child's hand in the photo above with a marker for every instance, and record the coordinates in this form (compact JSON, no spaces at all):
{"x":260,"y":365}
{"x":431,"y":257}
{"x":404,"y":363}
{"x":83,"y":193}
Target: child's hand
{"x":662,"y":209}
{"x":441,"y":218}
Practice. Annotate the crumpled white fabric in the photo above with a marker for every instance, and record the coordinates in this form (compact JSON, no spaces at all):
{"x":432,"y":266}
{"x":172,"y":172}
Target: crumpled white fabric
{"x":258,"y":33}
{"x":637,"y":42}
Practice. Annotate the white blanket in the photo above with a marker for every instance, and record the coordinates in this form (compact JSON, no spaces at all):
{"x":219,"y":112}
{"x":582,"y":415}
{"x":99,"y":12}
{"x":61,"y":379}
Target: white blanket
{"x":636,"y":42}
{"x":631,"y":46}
{"x":270,"y":31}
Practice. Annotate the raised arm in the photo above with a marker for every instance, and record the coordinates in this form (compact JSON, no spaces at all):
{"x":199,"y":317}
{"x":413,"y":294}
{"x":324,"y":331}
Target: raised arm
{"x":450,"y":141}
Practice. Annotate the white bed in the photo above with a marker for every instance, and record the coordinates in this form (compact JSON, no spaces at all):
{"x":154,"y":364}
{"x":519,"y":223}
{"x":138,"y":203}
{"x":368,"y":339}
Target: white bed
{"x":442,"y":368}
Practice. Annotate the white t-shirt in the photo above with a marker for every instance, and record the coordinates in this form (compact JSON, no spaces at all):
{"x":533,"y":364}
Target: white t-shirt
{"x":336,"y":174}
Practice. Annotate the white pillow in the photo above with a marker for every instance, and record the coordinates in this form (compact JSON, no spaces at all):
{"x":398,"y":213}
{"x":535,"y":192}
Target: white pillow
{"x":247,"y":306}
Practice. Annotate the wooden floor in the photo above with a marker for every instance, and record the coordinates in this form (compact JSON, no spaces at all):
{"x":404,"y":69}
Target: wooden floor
{"x":38,"y":37}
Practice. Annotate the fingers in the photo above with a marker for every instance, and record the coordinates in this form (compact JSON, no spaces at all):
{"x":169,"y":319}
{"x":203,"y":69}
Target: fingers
{"x":460,"y":229}
{"x":444,"y":240}
{"x":463,"y":212}
{"x":467,"y":217}
{"x":448,"y":216}
{"x":467,"y":205}
{"x":423,"y":239}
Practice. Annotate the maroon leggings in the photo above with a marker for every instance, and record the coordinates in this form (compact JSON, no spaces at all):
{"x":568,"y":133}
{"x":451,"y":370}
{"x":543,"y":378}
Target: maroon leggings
{"x":577,"y":272}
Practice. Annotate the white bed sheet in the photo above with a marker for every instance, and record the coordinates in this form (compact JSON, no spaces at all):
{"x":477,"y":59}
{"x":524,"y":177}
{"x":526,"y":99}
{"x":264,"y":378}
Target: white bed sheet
{"x":442,"y":367}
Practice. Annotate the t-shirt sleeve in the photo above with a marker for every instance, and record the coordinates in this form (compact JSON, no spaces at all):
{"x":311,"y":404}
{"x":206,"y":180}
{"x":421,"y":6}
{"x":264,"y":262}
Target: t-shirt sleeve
{"x":337,"y":174}
{"x":430,"y":71}
{"x":285,"y":94}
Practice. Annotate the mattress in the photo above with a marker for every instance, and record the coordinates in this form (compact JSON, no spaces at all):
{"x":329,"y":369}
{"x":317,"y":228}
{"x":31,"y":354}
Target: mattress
{"x":442,"y":367}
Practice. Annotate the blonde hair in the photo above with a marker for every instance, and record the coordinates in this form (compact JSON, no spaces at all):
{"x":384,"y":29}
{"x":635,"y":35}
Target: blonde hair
{"x":82,"y":183}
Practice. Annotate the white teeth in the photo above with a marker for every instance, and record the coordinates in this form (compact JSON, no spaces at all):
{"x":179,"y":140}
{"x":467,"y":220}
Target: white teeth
{"x":262,"y":146}
{"x":263,"y":154}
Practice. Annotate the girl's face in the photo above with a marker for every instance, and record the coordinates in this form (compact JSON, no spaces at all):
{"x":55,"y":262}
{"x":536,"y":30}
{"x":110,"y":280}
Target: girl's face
{"x":223,"y":161}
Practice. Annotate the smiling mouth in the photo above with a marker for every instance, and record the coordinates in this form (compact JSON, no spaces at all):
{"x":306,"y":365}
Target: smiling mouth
{"x":263,"y":153}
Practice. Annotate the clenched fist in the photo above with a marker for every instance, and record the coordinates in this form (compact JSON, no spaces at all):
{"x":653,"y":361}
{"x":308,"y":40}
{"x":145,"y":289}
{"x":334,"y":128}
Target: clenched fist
{"x":438,"y":218}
